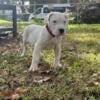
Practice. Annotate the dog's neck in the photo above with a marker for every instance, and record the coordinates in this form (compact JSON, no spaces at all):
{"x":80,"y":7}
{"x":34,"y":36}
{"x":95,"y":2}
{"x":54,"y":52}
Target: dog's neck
{"x":49,"y":31}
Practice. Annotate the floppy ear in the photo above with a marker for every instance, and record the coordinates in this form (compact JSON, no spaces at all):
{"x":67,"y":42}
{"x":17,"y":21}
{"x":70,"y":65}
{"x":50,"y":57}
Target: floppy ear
{"x":47,"y":18}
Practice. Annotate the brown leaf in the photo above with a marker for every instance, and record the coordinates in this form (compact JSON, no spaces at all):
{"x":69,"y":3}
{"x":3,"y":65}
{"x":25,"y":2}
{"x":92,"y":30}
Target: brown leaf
{"x":21,"y":90}
{"x":6,"y":93}
{"x":15,"y":96}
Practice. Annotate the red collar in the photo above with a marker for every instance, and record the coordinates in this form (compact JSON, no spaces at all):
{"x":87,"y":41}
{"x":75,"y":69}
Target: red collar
{"x":48,"y":29}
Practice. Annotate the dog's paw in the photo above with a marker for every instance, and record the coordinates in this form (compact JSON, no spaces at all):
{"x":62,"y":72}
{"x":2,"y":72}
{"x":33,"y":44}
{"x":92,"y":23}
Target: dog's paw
{"x":59,"y":65}
{"x":33,"y":68}
{"x":22,"y":55}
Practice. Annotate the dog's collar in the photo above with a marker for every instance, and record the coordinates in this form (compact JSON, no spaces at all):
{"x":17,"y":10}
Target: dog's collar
{"x":48,"y":29}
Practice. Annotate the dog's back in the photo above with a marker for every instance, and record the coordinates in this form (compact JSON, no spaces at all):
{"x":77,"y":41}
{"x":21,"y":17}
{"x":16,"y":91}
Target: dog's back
{"x":31,"y":33}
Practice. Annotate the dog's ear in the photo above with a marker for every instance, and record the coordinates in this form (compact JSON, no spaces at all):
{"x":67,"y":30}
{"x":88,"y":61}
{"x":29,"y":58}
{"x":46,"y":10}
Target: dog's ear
{"x":47,"y":18}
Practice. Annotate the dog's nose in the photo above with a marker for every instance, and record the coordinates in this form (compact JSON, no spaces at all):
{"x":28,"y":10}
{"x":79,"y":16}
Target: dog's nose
{"x":61,"y":30}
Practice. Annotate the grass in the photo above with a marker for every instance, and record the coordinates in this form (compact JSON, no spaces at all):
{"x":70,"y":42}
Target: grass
{"x":4,"y":21}
{"x":78,"y":79}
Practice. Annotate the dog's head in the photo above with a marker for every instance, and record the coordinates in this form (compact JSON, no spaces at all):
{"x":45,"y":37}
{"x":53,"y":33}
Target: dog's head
{"x":56,"y":21}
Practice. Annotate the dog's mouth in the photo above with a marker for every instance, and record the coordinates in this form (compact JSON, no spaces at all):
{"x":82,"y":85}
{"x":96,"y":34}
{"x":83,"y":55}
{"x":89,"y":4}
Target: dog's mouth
{"x":61,"y":33}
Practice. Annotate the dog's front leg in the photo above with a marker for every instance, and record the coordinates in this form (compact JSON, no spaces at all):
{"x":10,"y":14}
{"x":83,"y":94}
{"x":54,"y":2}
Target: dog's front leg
{"x":57,"y":51}
{"x":35,"y":57}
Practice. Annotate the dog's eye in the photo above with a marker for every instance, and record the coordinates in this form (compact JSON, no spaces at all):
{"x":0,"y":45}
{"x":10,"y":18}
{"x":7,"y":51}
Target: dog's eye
{"x":54,"y":21}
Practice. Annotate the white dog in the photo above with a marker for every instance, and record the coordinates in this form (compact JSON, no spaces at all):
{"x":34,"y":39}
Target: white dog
{"x":41,"y":37}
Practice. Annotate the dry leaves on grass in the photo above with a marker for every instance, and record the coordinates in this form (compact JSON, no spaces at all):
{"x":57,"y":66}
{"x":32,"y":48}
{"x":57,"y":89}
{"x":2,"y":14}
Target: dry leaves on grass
{"x":94,"y":79}
{"x":13,"y":94}
{"x":40,"y":77}
{"x":9,"y":45}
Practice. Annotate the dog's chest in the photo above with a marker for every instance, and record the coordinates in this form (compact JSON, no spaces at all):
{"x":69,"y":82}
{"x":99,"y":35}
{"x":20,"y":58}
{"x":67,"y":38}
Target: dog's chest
{"x":50,"y":43}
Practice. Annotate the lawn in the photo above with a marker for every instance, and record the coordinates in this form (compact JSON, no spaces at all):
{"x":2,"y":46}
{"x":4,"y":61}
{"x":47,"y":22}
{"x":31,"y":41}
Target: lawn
{"x":78,"y":79}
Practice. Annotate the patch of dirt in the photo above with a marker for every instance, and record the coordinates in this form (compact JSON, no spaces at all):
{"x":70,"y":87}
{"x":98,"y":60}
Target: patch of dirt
{"x":9,"y":44}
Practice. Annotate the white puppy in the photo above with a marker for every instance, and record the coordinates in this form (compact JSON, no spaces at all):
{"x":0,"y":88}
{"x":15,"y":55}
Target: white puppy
{"x":41,"y":37}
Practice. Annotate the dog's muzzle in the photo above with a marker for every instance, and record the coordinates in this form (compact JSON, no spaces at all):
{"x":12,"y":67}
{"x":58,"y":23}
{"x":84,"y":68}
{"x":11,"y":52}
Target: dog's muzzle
{"x":61,"y":31}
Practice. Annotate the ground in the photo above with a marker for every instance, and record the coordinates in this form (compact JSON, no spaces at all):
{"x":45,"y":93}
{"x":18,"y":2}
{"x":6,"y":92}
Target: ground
{"x":78,"y":79}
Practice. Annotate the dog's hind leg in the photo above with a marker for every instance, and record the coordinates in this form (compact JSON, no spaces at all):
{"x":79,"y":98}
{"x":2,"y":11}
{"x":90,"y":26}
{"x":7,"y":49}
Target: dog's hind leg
{"x":23,"y":44}
{"x":23,"y":48}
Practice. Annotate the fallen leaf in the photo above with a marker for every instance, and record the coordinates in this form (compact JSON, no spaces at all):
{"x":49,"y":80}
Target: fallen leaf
{"x":6,"y":93}
{"x":96,"y":83}
{"x":15,"y":96}
{"x":21,"y":90}
{"x":45,"y":79}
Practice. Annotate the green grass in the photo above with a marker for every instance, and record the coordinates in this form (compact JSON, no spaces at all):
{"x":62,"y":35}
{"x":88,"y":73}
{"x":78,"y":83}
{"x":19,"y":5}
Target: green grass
{"x":81,"y":28}
{"x":79,"y":78}
{"x":3,"y":21}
